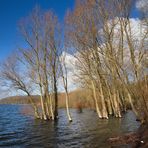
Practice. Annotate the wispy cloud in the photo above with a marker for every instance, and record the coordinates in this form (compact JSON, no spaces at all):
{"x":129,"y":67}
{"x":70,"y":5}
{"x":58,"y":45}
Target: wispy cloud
{"x":142,"y":5}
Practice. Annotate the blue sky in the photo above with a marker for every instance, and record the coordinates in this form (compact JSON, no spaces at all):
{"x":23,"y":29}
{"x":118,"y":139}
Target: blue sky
{"x":11,"y":11}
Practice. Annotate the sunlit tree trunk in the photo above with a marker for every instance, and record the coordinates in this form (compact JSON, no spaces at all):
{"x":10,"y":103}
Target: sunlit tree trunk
{"x":56,"y":98}
{"x":50,"y":106}
{"x":95,"y":98}
{"x":104,"y":111}
{"x":67,"y":106}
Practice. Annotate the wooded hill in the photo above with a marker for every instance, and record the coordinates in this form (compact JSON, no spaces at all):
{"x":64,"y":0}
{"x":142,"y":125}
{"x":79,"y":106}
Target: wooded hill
{"x":78,"y":98}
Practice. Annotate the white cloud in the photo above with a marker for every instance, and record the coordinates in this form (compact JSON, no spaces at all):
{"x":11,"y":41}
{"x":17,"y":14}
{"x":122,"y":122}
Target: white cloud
{"x":137,"y":32}
{"x":70,"y":65}
{"x":142,"y":5}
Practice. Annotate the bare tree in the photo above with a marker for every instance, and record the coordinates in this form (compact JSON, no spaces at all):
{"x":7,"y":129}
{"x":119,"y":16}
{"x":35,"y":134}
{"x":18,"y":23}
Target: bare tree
{"x":100,"y":33}
{"x":13,"y":78}
{"x":64,"y":75}
{"x":41,"y":33}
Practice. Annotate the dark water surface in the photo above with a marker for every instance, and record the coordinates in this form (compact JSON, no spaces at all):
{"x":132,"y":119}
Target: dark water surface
{"x":86,"y":130}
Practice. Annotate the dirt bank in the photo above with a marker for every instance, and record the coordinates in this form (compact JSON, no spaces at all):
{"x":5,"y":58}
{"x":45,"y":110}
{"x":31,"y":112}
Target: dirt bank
{"x":138,"y":139}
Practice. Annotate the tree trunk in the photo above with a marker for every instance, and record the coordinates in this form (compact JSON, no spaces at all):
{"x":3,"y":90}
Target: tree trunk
{"x":118,"y":100}
{"x":56,"y":99}
{"x":47,"y":110}
{"x":96,"y":102}
{"x":36,"y":113}
{"x":132,"y":105}
{"x":67,"y":107}
{"x":51,"y":107}
{"x":109,"y":107}
{"x":43,"y":108}
{"x":104,"y":111}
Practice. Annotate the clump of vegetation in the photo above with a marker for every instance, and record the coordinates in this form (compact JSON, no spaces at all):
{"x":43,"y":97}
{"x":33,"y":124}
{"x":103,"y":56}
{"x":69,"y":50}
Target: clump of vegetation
{"x":110,"y":58}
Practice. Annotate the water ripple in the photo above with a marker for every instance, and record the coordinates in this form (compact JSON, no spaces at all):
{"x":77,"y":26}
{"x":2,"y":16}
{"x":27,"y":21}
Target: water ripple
{"x":86,"y":130}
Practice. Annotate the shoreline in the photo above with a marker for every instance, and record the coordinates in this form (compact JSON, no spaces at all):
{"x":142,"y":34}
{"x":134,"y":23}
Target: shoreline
{"x":138,"y":139}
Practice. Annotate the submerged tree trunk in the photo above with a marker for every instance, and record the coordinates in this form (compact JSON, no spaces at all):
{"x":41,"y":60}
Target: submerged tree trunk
{"x":132,"y":105}
{"x":66,"y":97}
{"x":119,"y":109}
{"x":51,"y":107}
{"x":56,"y":99}
{"x":43,"y":108}
{"x":116,"y":105}
{"x":109,"y":107}
{"x":47,"y":110}
{"x":96,"y":102}
{"x":36,"y":113}
{"x":67,"y":107}
{"x":104,"y":111}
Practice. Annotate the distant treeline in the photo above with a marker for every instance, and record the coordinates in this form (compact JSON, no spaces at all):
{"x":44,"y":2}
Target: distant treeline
{"x":18,"y":100}
{"x":78,"y":98}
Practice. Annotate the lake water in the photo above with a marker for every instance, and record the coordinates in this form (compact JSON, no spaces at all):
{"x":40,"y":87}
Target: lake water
{"x":86,"y":131}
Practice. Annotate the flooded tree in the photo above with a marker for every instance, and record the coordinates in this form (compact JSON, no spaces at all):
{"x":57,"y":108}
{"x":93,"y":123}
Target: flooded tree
{"x":64,"y":75}
{"x":101,"y":34}
{"x":40,"y":32}
{"x":13,"y":78}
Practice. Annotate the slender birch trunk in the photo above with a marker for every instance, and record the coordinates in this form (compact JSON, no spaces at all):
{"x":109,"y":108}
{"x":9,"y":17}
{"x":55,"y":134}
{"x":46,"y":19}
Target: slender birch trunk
{"x":104,"y":111}
{"x":96,"y":102}
{"x":36,"y":113}
{"x":67,"y":107}
{"x":51,"y":107}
